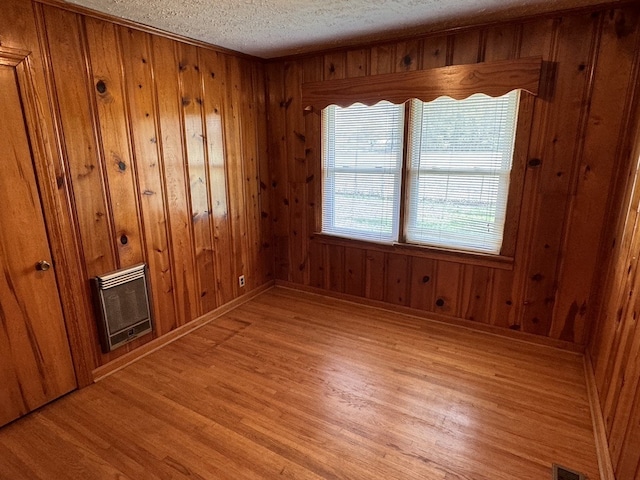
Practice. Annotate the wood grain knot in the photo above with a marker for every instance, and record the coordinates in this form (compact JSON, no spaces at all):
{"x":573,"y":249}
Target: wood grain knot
{"x":535,"y":162}
{"x":101,"y":87}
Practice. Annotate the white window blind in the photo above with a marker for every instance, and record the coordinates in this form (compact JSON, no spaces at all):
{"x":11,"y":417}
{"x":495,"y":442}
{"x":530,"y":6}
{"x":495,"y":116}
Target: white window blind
{"x":362,"y":166}
{"x":460,"y":155}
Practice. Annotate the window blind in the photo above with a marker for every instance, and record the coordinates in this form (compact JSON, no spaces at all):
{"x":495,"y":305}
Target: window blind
{"x":362,"y":168}
{"x":460,"y":155}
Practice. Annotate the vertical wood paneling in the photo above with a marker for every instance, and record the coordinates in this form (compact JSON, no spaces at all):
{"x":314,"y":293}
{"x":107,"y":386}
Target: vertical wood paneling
{"x":354,"y":266}
{"x":382,"y":59}
{"x":614,"y":348}
{"x":234,"y":138}
{"x":423,"y":276}
{"x":502,"y":42}
{"x":213,"y":72}
{"x":166,"y":147}
{"x":298,"y":201}
{"x":476,"y":293}
{"x":313,"y":71}
{"x":559,"y":149}
{"x":447,"y":288}
{"x":250,"y":216}
{"x":467,"y":47}
{"x":64,"y":36}
{"x":434,"y":52}
{"x":503,"y":311}
{"x":335,"y":280}
{"x":408,"y":56}
{"x":264,"y":167}
{"x":168,"y":101}
{"x":114,"y":135}
{"x":611,"y":94}
{"x":278,"y":180}
{"x":297,"y":171}
{"x":149,"y":169}
{"x":538,"y":39}
{"x":335,"y":65}
{"x":191,"y":94}
{"x":375,"y":275}
{"x":396,"y":279}
{"x":357,"y":63}
{"x":264,"y":261}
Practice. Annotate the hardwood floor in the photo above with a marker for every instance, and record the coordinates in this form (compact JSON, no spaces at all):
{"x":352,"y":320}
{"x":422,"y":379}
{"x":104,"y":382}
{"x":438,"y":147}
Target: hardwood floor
{"x":293,"y":385}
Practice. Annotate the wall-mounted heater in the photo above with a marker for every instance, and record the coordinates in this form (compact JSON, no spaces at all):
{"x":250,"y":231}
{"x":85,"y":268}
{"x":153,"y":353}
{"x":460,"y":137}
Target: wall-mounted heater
{"x":122,"y":305}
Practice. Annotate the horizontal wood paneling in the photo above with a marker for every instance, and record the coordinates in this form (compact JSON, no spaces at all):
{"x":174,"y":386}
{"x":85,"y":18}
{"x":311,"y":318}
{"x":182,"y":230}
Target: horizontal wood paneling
{"x":164,"y":150}
{"x":565,"y":195}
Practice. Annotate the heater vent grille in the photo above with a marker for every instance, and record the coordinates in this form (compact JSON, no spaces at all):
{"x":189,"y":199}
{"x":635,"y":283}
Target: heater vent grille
{"x":118,"y":278}
{"x":122,"y":306}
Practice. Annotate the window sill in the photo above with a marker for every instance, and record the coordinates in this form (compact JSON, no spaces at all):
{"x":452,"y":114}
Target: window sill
{"x":467,"y":258}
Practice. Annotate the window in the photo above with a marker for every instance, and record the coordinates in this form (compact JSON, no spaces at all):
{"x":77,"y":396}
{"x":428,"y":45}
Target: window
{"x":362,"y":158}
{"x":456,"y":165}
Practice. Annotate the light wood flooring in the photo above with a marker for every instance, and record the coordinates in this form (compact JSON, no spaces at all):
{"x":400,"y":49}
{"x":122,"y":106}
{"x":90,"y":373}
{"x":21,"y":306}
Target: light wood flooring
{"x":294,"y":385}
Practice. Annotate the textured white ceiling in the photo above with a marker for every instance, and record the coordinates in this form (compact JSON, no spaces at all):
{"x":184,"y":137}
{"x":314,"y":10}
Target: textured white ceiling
{"x":271,"y":28}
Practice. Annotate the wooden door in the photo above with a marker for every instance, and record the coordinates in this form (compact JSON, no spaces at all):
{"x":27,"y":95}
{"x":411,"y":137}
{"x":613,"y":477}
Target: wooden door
{"x":35,"y":359}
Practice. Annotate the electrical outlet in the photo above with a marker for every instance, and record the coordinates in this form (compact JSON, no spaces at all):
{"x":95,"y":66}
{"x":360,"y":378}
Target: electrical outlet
{"x":241,"y":280}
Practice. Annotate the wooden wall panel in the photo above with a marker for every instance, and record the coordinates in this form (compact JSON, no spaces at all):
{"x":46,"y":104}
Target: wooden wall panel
{"x":213,"y":69}
{"x":278,"y":179}
{"x":559,"y":149}
{"x":422,"y":290}
{"x":561,"y":192}
{"x":312,"y":71}
{"x":169,"y":101}
{"x":74,"y":93}
{"x":251,"y":214}
{"x":614,"y":349}
{"x":266,"y":234}
{"x":107,"y":80}
{"x":166,"y":145}
{"x":191,"y":94}
{"x":142,"y":112}
{"x":235,"y":166}
{"x":354,"y":265}
{"x":297,"y":172}
{"x":397,"y":279}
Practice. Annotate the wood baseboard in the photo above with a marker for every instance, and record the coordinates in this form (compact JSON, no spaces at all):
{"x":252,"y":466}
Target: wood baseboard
{"x":157,"y":343}
{"x":599,"y":429}
{"x":482,"y":327}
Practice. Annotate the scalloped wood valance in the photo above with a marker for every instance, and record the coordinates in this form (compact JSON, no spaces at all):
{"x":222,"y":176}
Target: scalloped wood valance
{"x":457,"y":81}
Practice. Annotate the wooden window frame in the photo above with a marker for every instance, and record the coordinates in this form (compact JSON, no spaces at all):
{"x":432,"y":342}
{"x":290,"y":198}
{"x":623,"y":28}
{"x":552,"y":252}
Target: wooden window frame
{"x":461,"y":81}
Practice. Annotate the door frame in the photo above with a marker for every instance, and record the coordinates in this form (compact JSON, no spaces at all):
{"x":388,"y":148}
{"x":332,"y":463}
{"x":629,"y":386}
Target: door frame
{"x":55,"y":197}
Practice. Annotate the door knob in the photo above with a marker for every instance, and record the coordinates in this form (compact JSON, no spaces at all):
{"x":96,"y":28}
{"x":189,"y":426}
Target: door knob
{"x":43,"y":266}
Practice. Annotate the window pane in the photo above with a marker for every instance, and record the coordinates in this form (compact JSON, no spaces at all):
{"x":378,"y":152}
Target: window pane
{"x":362,"y":164}
{"x":460,"y":161}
